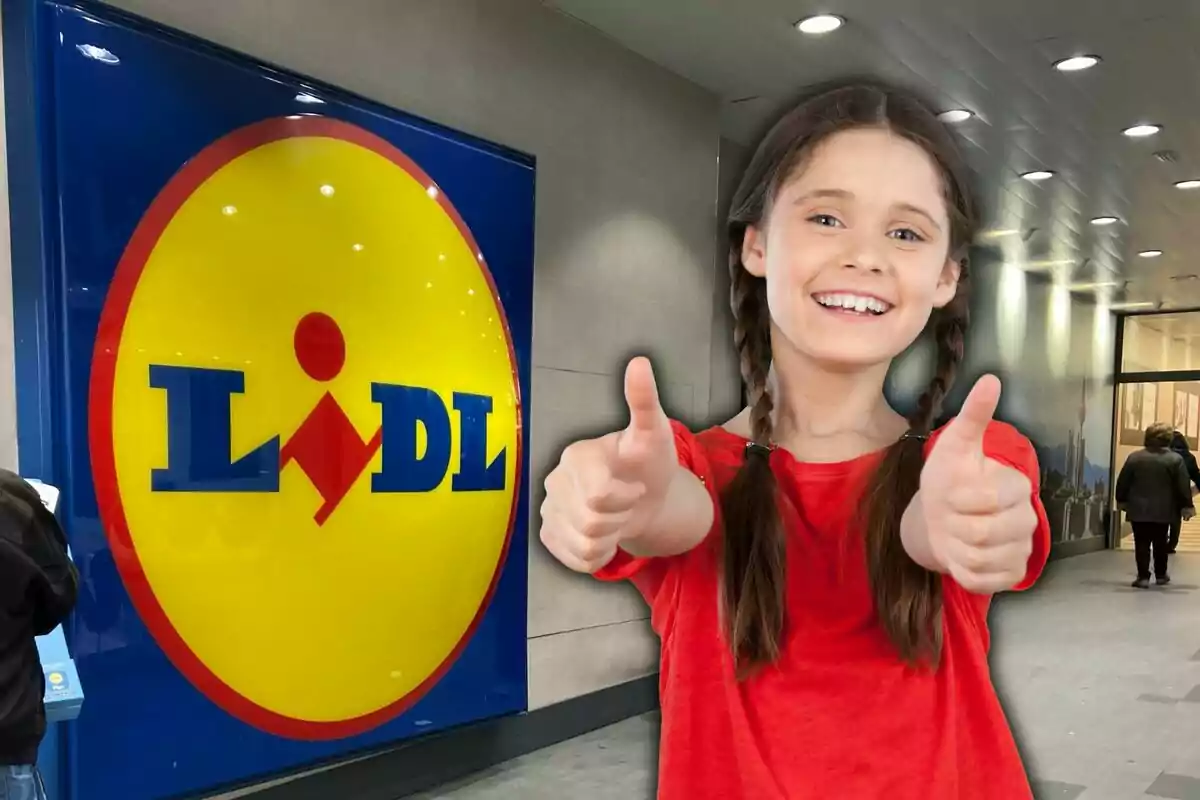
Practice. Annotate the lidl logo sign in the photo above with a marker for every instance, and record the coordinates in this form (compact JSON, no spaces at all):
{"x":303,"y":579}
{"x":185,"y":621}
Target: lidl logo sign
{"x":326,"y":447}
{"x":305,"y":427}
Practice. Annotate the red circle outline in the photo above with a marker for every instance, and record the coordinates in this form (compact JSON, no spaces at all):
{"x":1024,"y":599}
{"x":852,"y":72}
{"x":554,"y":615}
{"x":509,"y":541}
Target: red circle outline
{"x":100,"y":420}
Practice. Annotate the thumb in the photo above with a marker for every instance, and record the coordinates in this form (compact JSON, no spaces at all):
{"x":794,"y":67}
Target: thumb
{"x":641,"y":395}
{"x":646,"y":416}
{"x":965,"y":433}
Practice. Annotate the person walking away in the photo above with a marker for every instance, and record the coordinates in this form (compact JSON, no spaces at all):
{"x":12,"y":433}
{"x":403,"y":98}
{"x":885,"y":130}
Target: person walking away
{"x":38,"y":586}
{"x":1179,"y":445}
{"x":1151,"y":489}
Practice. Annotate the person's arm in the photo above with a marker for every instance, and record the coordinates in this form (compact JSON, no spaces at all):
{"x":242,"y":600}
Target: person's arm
{"x":684,"y":520}
{"x":54,"y":588}
{"x":1192,"y":469}
{"x":37,"y":552}
{"x":1183,"y":489}
{"x":1124,"y":477}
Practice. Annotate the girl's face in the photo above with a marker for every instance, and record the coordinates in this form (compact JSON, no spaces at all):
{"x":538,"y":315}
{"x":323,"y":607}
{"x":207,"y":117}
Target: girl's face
{"x":856,"y":250}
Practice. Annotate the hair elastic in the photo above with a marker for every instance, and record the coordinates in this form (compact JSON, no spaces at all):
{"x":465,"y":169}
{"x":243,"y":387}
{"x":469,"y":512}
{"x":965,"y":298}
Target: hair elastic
{"x":920,"y":437}
{"x":758,"y":449}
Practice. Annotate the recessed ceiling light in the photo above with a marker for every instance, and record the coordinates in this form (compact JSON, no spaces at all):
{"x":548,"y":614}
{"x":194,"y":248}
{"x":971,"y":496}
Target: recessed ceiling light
{"x":1076,"y":63}
{"x":821,"y":23}
{"x":1141,"y":131}
{"x":1102,"y":221}
{"x":955,"y":115}
{"x":1150,"y":253}
{"x":1188,"y":184}
{"x":1038,"y":175}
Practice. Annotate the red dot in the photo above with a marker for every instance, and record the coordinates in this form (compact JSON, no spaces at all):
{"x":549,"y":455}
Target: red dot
{"x":320,"y":347}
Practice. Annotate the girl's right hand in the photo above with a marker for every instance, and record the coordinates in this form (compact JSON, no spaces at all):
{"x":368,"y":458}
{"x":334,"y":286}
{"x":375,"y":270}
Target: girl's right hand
{"x":608,"y":491}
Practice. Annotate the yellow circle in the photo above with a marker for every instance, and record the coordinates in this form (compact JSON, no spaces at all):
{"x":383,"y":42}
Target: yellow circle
{"x":331,"y":622}
{"x":56,"y":678}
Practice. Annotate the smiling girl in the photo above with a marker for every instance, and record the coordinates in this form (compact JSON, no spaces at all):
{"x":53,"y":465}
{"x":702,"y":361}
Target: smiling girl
{"x":820,"y":567}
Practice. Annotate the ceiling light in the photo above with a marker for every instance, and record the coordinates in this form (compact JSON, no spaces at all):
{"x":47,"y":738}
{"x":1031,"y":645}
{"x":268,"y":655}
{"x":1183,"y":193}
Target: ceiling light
{"x":1142,"y":131}
{"x":1102,"y":221}
{"x":1077,"y":63}
{"x":955,"y":115}
{"x":821,"y":23}
{"x":1150,"y":253}
{"x":1038,"y":175}
{"x":1189,"y":184}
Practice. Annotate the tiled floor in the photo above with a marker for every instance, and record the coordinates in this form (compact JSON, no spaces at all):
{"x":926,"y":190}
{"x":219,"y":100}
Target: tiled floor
{"x":1102,"y":683}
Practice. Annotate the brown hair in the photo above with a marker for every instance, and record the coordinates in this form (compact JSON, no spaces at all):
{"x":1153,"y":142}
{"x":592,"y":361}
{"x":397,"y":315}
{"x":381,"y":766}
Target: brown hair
{"x":907,"y":597}
{"x":1159,"y":436}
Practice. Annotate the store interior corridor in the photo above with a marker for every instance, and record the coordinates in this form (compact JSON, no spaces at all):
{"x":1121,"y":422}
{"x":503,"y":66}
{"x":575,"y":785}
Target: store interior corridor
{"x":1158,"y":381}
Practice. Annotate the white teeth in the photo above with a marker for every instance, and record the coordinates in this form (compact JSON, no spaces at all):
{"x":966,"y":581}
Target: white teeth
{"x":853,"y":302}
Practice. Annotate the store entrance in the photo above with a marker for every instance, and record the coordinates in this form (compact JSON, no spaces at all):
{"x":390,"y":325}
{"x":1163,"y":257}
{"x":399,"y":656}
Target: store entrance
{"x":1159,"y":381}
{"x":1175,"y":402}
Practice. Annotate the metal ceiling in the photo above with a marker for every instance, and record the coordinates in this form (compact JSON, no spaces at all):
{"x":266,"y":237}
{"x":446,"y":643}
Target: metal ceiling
{"x":995,"y":59}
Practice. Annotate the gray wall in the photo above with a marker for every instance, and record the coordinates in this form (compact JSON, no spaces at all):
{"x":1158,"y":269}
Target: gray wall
{"x":627,"y":170}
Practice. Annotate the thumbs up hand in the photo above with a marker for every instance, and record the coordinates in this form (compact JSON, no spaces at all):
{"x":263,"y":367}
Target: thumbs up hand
{"x":978,"y":513}
{"x":605,"y":491}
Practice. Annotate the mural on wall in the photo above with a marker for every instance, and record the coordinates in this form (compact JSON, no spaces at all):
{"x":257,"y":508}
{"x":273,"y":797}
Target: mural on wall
{"x":1074,"y":482}
{"x":297,"y":332}
{"x":1054,"y":356}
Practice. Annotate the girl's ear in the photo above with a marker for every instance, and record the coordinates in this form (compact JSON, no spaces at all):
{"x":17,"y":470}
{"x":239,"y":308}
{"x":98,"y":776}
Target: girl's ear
{"x":947,"y":285}
{"x":754,"y":252}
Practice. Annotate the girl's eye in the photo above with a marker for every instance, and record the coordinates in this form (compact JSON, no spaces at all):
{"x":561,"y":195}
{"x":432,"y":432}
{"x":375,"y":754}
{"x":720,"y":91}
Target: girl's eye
{"x":825,"y":220}
{"x":907,"y":235}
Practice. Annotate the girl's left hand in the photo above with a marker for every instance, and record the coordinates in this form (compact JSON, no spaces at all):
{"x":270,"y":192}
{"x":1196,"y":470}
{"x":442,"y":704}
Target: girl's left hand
{"x":978,"y":513}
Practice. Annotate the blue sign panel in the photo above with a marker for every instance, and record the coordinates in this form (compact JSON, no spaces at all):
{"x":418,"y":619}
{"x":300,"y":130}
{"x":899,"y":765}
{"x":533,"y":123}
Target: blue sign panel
{"x":281,"y":340}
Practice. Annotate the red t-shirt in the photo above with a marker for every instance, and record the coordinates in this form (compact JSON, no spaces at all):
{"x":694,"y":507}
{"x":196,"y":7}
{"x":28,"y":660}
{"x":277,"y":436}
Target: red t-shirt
{"x":839,"y":715}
